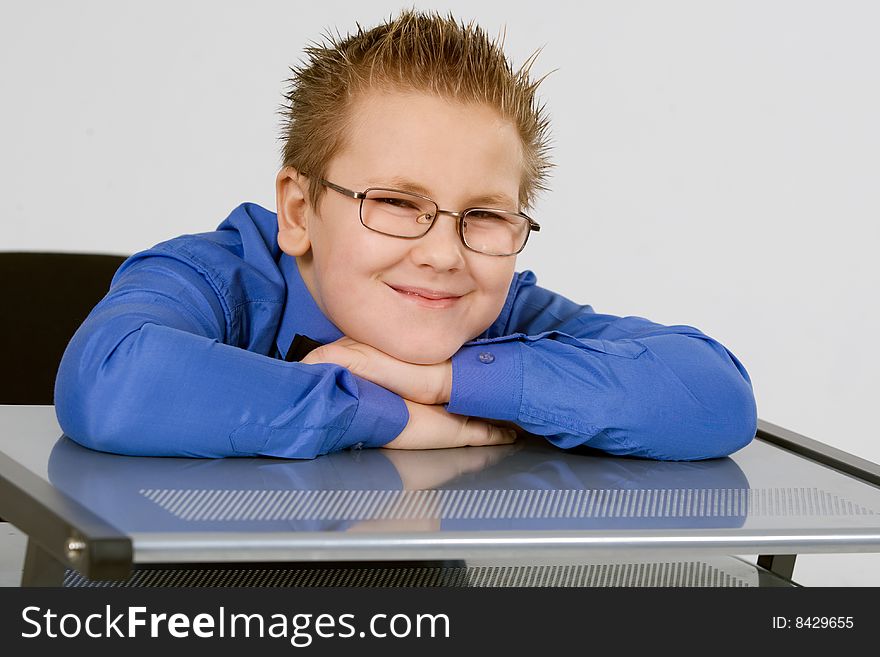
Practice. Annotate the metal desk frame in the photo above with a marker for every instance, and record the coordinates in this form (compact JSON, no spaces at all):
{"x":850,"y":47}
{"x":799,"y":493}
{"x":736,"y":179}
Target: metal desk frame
{"x":63,"y":534}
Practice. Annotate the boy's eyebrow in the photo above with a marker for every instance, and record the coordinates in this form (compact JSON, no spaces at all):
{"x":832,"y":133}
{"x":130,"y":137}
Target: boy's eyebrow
{"x":407,"y":185}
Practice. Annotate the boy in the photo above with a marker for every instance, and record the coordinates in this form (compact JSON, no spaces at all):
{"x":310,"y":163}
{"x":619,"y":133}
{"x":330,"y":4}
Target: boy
{"x":410,"y":150}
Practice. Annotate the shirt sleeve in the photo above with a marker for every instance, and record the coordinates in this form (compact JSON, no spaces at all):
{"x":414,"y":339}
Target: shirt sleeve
{"x":149,"y":373}
{"x":625,"y":385}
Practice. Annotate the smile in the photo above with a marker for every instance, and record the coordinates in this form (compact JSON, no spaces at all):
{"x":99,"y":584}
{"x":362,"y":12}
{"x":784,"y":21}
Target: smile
{"x":425,"y":298}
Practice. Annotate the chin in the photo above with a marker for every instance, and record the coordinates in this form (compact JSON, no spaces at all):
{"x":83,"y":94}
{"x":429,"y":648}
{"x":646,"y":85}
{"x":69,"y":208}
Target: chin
{"x":420,"y":354}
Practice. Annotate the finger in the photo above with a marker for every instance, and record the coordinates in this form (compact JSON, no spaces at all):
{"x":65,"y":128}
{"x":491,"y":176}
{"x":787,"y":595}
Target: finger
{"x":506,"y":436}
{"x":316,"y":356}
{"x":334,"y":354}
{"x":483,"y":433}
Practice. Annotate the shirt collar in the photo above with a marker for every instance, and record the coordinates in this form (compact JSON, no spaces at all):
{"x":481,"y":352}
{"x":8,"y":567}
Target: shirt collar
{"x":301,"y":313}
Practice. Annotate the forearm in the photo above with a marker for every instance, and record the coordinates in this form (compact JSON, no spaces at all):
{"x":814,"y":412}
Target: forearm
{"x":665,"y":396}
{"x":135,"y":387}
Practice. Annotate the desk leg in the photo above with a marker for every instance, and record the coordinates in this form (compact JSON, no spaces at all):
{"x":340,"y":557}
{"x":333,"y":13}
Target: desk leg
{"x":40,"y":567}
{"x":780,"y":564}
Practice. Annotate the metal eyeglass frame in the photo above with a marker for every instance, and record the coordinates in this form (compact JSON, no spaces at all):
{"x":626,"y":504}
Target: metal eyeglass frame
{"x":533,"y":225}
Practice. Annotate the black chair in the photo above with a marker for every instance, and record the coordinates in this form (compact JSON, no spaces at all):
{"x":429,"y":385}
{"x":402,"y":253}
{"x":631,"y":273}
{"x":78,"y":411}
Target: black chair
{"x":46,"y":297}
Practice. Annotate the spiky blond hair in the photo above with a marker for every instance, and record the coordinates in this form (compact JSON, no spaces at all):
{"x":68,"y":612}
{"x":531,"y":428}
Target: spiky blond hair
{"x":417,"y":51}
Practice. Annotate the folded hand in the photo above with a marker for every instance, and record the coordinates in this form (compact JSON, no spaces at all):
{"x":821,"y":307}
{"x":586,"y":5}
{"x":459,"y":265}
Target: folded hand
{"x":425,"y":384}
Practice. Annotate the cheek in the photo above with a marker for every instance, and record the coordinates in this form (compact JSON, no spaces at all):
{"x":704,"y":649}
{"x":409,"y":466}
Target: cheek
{"x":349,"y":273}
{"x":343,"y":262}
{"x":494,"y":281}
{"x":494,"y":285}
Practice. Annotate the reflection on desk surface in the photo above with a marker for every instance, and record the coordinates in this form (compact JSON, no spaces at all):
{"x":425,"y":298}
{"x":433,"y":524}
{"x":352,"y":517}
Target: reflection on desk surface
{"x":528,"y":485}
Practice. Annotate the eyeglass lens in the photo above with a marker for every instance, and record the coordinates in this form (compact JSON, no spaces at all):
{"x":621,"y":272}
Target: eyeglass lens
{"x":494,"y":232}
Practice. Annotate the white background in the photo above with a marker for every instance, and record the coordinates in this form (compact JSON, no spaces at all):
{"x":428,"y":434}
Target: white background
{"x":718,"y":163}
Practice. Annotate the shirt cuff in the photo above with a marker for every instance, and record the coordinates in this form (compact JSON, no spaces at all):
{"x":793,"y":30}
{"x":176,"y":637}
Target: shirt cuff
{"x":487,"y":381}
{"x":380,"y":417}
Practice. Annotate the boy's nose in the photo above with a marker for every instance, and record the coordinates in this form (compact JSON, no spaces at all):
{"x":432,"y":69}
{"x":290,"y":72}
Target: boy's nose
{"x":440,"y":247}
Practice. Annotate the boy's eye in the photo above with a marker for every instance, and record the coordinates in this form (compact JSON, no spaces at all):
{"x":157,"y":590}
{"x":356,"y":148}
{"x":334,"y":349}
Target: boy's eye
{"x":398,"y":203}
{"x":480,"y":215}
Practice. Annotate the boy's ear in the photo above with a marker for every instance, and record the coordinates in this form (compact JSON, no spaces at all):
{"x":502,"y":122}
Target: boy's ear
{"x":291,"y":199}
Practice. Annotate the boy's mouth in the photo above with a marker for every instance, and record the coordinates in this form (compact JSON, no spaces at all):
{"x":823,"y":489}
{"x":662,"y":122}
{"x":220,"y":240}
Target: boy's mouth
{"x":426,"y":297}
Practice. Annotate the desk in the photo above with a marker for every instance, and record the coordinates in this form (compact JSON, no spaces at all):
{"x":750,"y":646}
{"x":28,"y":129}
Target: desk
{"x":91,"y":516}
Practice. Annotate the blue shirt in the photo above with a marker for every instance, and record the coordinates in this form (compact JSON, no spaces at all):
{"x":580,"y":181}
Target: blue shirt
{"x":184,"y":357}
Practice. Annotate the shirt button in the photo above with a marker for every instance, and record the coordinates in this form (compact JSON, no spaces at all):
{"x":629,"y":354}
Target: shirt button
{"x":487,"y":357}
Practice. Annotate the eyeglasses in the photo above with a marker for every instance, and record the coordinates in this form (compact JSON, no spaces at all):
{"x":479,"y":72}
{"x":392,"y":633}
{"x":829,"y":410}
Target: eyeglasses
{"x":410,"y":216}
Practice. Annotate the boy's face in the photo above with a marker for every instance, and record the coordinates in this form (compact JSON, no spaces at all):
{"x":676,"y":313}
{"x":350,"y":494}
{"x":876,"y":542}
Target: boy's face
{"x":458,"y":153}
